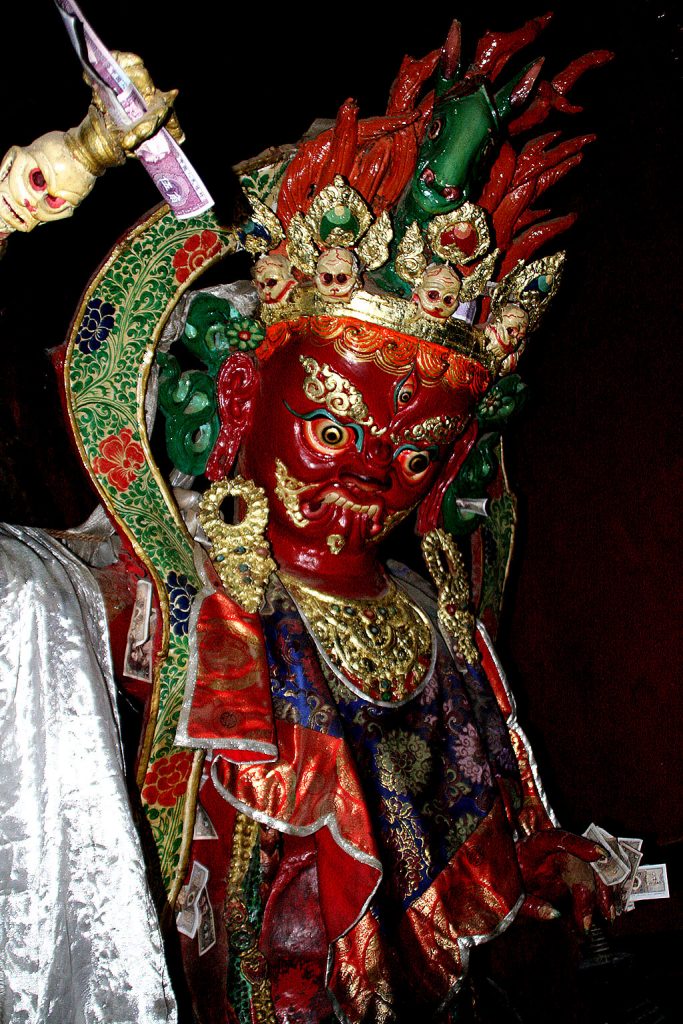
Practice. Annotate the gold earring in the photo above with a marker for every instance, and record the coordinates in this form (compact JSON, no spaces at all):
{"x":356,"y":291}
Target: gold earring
{"x":240,"y":552}
{"x":447,"y":569}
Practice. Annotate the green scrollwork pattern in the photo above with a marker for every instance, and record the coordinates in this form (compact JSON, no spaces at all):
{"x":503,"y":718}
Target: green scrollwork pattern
{"x":110,"y":354}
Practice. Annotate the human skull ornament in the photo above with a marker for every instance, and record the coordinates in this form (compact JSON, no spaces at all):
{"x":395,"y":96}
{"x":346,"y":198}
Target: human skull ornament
{"x":40,"y":183}
{"x":437,"y":292}
{"x":273,"y":278}
{"x":336,"y":274}
{"x":505,"y":337}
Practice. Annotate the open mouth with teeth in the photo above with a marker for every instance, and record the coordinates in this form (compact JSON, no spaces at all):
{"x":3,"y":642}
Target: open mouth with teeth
{"x":10,"y":215}
{"x":324,"y":503}
{"x":7,"y":211}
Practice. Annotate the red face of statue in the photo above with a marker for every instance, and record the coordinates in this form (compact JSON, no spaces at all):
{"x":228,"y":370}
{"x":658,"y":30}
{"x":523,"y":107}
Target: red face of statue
{"x":344,"y":449}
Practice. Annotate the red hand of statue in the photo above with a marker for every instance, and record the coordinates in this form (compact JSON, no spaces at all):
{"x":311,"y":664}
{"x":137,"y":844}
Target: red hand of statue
{"x":555,"y":864}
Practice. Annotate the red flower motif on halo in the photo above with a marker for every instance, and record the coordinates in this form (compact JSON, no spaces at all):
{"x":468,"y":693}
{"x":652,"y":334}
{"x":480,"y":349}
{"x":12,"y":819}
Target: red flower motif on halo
{"x":120,"y":458}
{"x":194,"y":252}
{"x":167,"y":779}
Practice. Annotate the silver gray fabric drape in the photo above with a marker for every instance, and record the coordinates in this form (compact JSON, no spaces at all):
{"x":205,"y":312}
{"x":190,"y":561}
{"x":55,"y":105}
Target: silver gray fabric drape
{"x":79,"y":936}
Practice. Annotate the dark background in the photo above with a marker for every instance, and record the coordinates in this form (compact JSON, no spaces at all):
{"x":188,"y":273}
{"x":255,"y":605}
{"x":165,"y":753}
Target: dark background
{"x":590,"y":635}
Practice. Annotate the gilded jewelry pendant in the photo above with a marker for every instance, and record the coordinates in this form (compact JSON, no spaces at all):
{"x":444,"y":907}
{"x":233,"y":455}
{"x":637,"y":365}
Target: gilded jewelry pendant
{"x":240,"y":552}
{"x":447,"y":569}
{"x":383,"y":646}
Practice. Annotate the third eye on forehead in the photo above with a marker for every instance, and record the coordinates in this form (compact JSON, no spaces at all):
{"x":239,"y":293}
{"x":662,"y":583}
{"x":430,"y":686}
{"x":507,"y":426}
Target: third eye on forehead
{"x":404,"y":391}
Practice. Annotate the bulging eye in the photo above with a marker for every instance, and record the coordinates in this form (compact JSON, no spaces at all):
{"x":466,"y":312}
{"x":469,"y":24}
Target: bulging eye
{"x":418,"y":463}
{"x":342,"y":278}
{"x":432,"y":294}
{"x":37,"y":180}
{"x":435,"y":128}
{"x":325,"y":436}
{"x":327,"y":278}
{"x":331,"y":435}
{"x":448,"y":300}
{"x":414,"y":463}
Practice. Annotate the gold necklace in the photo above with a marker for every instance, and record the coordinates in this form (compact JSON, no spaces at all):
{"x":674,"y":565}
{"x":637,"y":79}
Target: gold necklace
{"x":383,"y":646}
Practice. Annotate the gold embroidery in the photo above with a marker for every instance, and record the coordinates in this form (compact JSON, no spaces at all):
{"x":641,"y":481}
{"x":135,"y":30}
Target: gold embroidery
{"x":242,"y":936}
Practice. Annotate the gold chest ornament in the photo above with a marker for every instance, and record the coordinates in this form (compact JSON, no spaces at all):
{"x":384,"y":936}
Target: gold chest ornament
{"x":384,"y":647}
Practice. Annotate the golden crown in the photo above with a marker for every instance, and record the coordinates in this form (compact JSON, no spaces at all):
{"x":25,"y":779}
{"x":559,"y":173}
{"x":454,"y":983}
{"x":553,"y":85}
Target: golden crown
{"x":422,"y":220}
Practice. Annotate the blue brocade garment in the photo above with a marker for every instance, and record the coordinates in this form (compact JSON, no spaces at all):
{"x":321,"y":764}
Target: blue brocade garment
{"x":397,"y":829}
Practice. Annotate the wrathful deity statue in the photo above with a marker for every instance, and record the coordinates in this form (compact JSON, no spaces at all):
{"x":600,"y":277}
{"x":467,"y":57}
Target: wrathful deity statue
{"x":338,"y":800}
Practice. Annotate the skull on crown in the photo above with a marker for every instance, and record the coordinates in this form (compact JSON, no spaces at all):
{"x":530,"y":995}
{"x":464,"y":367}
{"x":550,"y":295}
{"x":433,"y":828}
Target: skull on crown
{"x":336,"y":274}
{"x":437,"y":292}
{"x":273,"y":278}
{"x":40,"y":183}
{"x":505,"y":336}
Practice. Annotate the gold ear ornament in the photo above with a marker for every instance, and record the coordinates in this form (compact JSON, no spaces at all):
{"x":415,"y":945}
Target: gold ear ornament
{"x":240,"y":551}
{"x":447,"y":569}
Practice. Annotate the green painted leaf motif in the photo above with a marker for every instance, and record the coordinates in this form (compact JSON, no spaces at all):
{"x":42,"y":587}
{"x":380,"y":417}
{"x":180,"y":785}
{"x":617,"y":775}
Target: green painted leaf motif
{"x":498,"y":536}
{"x":105,"y":391}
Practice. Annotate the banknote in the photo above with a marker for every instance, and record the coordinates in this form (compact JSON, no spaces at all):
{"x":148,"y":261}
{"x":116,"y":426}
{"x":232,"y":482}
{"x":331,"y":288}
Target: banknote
{"x":207,"y":928}
{"x":203,"y":826}
{"x":188,"y":918}
{"x":161,"y":156}
{"x":137,"y":661}
{"x":613,"y":868}
{"x":650,"y":883}
{"x":622,"y":896}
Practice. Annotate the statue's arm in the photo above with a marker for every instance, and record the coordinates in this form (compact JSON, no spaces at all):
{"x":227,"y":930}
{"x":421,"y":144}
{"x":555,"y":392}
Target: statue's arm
{"x":554,"y":863}
{"x":48,"y":179}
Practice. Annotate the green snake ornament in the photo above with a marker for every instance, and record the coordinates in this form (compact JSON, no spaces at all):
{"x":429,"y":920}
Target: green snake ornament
{"x":500,"y":404}
{"x":465,"y":129}
{"x":188,"y":402}
{"x":213,"y":330}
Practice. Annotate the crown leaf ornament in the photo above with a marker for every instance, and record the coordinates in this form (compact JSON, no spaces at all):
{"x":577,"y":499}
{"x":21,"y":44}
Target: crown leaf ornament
{"x":436,"y":241}
{"x":422,"y":221}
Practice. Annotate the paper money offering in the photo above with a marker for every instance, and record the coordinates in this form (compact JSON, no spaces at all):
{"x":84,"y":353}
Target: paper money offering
{"x":207,"y":927}
{"x":622,"y":870}
{"x":650,"y":883}
{"x":137,"y":662}
{"x":161,"y":156}
{"x":613,"y":868}
{"x":203,"y":826}
{"x":189,"y":916}
{"x":631,"y":851}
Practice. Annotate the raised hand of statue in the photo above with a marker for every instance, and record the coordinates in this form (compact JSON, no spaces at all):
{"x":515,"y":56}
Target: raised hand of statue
{"x":555,"y":865}
{"x":159,"y":105}
{"x":48,"y":179}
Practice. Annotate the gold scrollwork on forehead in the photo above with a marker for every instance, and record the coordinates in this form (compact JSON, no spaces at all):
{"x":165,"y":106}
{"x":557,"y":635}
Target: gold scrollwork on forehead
{"x":325,"y":386}
{"x":435,"y":429}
